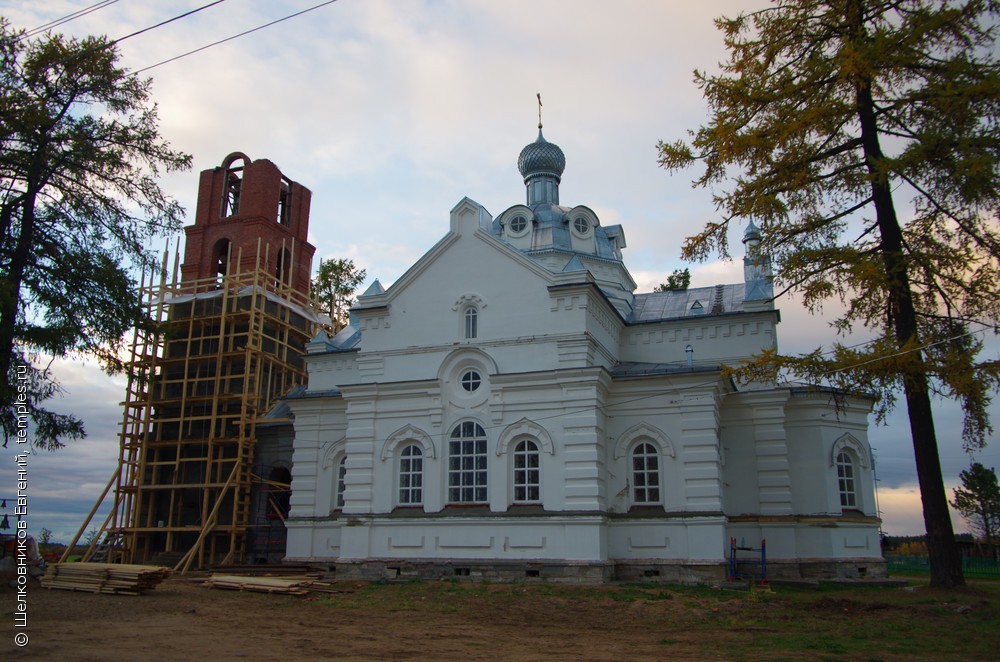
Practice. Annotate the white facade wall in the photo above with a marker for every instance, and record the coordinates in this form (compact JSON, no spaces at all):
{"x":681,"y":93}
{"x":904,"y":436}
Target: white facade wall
{"x":549,"y":352}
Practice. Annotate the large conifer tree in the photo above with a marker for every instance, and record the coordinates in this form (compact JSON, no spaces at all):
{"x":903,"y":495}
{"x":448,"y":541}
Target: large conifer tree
{"x":862,"y":137}
{"x":79,"y":202}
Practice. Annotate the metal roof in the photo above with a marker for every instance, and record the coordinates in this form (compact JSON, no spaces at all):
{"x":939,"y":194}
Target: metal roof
{"x":692,"y":302}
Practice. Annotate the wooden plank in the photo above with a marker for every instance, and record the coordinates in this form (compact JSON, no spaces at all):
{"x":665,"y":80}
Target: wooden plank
{"x":286,"y":585}
{"x":104,"y":577}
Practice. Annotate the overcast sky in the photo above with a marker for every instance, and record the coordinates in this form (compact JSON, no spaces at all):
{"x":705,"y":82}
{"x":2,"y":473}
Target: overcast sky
{"x":391,"y":111}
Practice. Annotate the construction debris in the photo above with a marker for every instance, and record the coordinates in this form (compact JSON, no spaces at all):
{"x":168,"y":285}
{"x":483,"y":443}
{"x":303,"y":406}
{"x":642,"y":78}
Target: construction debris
{"x":113,"y":578}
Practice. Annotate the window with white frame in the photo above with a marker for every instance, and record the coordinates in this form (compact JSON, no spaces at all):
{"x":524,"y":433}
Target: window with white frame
{"x":847,"y":481}
{"x":645,"y":474}
{"x":527,"y":473}
{"x":471,"y":380}
{"x":338,"y":499}
{"x":471,"y":322}
{"x":411,"y":475}
{"x":467,"y":464}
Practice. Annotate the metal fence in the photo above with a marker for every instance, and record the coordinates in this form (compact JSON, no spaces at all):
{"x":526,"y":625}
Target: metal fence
{"x":972,"y":567}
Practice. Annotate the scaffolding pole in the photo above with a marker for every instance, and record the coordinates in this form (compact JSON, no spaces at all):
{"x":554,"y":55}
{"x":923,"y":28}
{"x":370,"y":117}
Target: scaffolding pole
{"x":218,"y":355}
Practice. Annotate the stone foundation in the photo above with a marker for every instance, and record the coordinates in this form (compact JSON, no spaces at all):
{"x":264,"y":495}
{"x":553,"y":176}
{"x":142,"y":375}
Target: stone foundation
{"x":596,"y":573}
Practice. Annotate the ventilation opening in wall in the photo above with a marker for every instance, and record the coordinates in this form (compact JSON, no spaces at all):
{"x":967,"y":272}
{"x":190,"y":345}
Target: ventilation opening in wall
{"x":650,"y":573}
{"x":532,"y":572}
{"x":461,"y":572}
{"x":392,"y":572}
{"x":862,"y":571}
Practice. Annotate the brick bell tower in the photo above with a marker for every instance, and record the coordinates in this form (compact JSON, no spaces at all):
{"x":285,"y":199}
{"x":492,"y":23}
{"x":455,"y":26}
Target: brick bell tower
{"x":248,"y":212}
{"x":228,"y":345}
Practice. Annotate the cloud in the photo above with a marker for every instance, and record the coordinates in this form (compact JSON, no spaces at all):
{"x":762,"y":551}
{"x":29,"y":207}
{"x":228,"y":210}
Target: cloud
{"x":391,"y":111}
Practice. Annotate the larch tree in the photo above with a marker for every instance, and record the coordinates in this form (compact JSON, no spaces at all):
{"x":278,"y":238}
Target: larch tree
{"x":79,"y":203}
{"x":679,"y":280}
{"x":862,"y":137}
{"x":978,"y":499}
{"x":334,"y":286}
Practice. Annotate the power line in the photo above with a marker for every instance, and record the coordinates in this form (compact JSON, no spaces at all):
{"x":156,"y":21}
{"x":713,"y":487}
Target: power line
{"x":67,"y":18}
{"x":114,"y":42}
{"x":235,"y":36}
{"x":169,"y":20}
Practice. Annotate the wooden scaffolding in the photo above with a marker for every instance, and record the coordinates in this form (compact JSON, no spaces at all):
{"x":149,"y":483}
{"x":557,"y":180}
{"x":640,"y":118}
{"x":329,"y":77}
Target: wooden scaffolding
{"x":218,"y":355}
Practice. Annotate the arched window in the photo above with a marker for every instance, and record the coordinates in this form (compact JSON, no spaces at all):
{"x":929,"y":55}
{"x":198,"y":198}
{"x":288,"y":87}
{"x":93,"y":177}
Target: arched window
{"x":221,"y":258}
{"x":233,"y":185}
{"x":467,"y":464}
{"x":846,"y":480}
{"x":645,"y":474}
{"x":527,"y":472}
{"x":471,"y":322}
{"x":279,"y":493}
{"x":285,"y":202}
{"x":338,"y":498}
{"x":283,"y":268}
{"x":411,"y":475}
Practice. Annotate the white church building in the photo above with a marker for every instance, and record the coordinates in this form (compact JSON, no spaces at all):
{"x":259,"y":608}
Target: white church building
{"x":510,"y":407}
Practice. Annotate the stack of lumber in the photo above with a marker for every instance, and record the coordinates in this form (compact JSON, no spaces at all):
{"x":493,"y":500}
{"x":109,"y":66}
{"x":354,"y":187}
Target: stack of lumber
{"x":115,"y":578}
{"x":264,"y":570}
{"x":284,"y":585}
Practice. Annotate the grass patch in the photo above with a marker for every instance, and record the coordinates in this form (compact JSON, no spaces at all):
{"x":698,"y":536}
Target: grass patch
{"x":834,"y":622}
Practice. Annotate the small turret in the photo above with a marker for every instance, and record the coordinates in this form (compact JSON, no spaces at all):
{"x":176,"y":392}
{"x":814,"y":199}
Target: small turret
{"x":756,"y":273}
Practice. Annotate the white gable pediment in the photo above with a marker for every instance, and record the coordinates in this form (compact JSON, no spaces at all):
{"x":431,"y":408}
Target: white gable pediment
{"x":468,"y":216}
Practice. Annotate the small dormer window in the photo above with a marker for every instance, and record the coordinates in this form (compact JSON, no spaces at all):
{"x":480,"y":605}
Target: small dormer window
{"x":581,"y":225}
{"x":697,"y":308}
{"x":518,"y":224}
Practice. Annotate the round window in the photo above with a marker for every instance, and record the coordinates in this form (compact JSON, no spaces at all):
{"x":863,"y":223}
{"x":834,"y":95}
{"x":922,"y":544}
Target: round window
{"x":518,"y":223}
{"x":581,"y":225}
{"x":471,"y":380}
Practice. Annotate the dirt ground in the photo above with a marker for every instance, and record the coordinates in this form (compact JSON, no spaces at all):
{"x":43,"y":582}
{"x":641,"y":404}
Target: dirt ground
{"x":182,"y":620}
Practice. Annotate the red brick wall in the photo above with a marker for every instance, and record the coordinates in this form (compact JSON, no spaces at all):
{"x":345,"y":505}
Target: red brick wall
{"x":255,"y":224}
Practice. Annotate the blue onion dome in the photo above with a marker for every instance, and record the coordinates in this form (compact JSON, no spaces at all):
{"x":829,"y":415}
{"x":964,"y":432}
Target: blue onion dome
{"x":541,"y":158}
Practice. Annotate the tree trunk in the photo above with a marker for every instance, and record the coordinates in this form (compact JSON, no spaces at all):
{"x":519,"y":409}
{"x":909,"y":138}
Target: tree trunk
{"x":945,"y":560}
{"x":19,"y":260}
